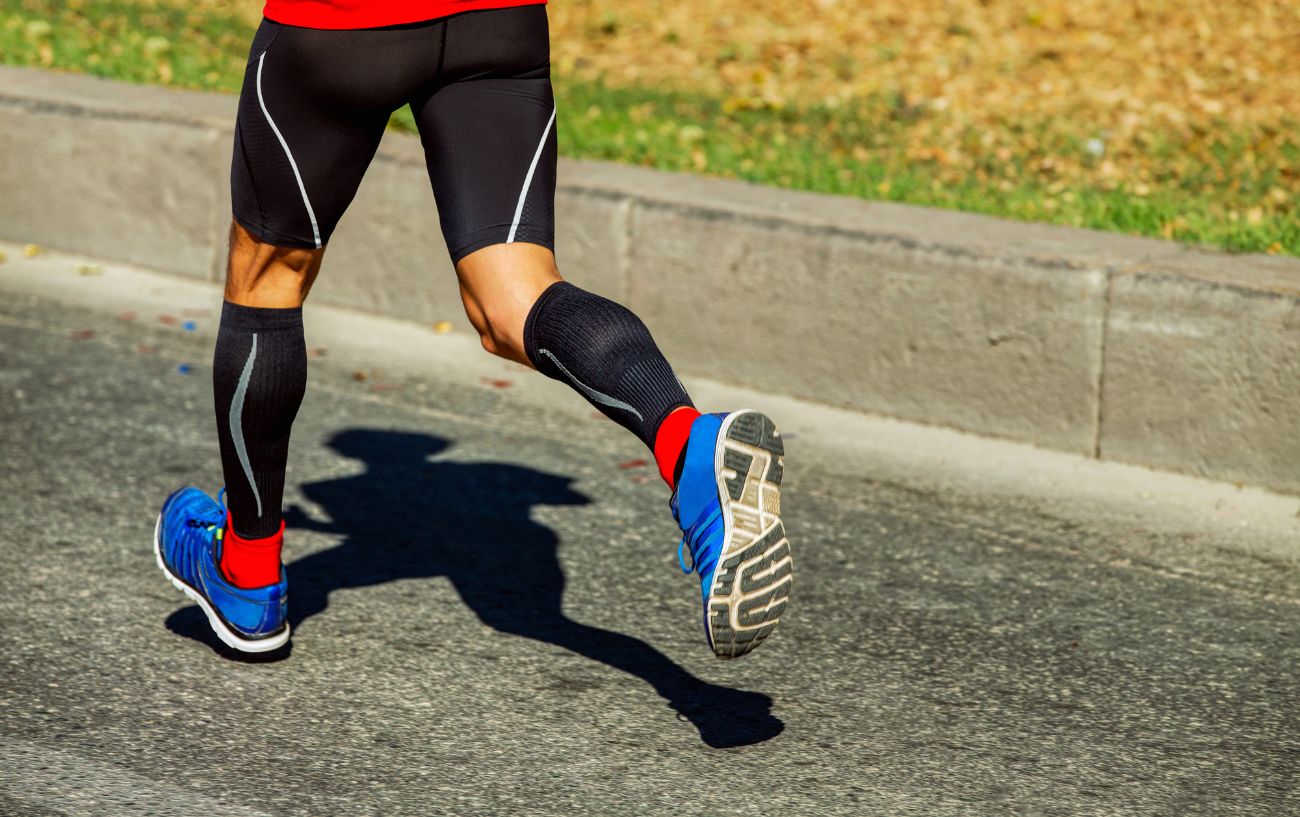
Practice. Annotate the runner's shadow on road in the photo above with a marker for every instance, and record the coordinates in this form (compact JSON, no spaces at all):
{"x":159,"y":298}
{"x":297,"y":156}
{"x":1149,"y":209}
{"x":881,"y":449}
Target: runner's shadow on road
{"x":407,"y":516}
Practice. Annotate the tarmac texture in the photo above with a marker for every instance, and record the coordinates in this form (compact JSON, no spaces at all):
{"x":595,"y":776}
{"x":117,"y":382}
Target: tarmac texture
{"x":488,"y":619}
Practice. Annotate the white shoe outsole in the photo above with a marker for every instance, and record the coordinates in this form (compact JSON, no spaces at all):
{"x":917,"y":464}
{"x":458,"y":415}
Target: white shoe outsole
{"x":752,"y":582}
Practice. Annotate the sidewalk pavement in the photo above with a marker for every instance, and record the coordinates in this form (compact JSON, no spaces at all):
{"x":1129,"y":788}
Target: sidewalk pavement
{"x":1118,"y":348}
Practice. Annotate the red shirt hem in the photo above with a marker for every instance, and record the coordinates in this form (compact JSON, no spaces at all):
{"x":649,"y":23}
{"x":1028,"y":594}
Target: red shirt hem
{"x":345,"y":14}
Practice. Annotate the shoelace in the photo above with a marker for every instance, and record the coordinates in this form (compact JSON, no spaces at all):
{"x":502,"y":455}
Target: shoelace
{"x":697,"y":536}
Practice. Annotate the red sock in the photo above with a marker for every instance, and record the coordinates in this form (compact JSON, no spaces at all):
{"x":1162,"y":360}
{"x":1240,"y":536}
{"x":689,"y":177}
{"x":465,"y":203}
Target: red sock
{"x":670,"y":441}
{"x":250,"y":563}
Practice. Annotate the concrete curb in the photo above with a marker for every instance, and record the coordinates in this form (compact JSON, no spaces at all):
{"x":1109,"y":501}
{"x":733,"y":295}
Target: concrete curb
{"x":1109,"y":346}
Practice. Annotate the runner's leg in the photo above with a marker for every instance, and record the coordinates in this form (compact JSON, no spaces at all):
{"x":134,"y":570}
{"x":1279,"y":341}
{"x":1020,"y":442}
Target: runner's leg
{"x":311,"y":113}
{"x":488,"y":128}
{"x":490,"y":142}
{"x":306,"y":131}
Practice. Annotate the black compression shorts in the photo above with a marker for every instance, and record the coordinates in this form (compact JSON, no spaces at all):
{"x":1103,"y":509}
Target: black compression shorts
{"x":315,"y":103}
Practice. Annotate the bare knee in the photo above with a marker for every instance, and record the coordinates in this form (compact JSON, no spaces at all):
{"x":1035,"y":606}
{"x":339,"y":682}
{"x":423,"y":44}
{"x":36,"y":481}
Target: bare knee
{"x":500,"y":326}
{"x":490,"y":326}
{"x":264,"y":275}
{"x":496,"y":338}
{"x":499,"y":285}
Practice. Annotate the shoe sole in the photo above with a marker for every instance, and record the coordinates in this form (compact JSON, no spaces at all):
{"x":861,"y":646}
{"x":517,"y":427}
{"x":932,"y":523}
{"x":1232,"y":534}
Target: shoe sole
{"x":755,"y":572}
{"x":228,"y":637}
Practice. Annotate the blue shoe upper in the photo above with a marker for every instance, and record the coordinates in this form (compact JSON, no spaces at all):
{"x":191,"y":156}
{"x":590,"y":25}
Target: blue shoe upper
{"x":192,"y":526}
{"x":696,"y":505}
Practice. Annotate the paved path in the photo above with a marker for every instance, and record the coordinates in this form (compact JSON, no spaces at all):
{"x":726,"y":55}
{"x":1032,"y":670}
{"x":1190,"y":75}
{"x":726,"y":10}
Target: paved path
{"x":488,"y":620}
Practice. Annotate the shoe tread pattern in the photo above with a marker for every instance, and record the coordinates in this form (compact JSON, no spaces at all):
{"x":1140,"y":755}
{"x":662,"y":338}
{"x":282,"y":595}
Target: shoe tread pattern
{"x":755,"y":573}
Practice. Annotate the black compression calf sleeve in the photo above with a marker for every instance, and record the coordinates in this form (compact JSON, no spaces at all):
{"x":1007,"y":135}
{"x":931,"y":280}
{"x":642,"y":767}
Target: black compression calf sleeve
{"x":605,"y":352}
{"x":259,"y":374}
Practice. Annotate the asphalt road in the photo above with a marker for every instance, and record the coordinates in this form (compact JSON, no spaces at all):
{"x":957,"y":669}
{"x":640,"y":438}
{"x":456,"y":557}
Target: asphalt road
{"x":489,"y":620}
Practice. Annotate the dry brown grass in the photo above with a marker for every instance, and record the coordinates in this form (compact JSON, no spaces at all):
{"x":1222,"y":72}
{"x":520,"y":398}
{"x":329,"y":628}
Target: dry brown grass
{"x":1126,"y":72}
{"x":1124,"y":64}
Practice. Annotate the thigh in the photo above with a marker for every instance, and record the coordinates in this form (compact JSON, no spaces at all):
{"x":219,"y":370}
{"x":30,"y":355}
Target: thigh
{"x":305,"y":133}
{"x":488,"y":129}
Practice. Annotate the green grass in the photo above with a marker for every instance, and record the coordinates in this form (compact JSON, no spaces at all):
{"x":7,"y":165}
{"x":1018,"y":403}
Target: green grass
{"x":127,"y":40}
{"x":814,"y":149}
{"x":1205,"y":193}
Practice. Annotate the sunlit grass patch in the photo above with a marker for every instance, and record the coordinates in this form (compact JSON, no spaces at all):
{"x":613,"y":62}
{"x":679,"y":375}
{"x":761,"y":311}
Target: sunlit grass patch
{"x":191,"y":45}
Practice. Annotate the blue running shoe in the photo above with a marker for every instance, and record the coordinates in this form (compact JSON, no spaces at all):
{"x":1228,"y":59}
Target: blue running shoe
{"x":728,"y":506}
{"x":187,"y":541}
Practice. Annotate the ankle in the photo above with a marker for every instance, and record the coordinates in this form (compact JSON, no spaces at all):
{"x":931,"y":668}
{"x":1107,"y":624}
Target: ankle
{"x":250,"y":563}
{"x":670,"y":442}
